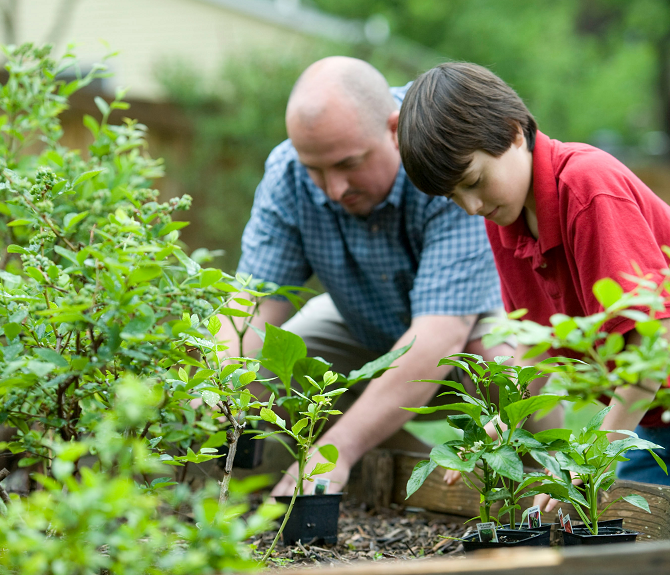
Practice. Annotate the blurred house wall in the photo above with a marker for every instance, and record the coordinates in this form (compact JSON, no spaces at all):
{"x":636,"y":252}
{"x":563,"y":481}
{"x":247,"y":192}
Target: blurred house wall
{"x":147,"y":33}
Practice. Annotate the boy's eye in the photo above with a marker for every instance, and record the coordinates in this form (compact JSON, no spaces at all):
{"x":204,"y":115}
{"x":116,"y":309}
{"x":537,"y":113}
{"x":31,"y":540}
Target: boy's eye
{"x":473,"y":184}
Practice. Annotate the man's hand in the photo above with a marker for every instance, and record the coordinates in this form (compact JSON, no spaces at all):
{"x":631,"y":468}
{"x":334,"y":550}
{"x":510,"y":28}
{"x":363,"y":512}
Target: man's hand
{"x":338,"y":477}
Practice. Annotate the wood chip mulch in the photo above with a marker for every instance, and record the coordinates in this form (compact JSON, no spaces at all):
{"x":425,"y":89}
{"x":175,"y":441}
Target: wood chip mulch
{"x":390,"y":534}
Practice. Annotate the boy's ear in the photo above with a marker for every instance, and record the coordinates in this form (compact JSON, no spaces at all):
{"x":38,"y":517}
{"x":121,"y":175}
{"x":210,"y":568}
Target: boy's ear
{"x":392,"y":124}
{"x":520,"y":137}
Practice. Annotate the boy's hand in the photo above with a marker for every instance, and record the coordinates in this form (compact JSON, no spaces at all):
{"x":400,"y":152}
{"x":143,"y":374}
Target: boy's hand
{"x":338,"y":477}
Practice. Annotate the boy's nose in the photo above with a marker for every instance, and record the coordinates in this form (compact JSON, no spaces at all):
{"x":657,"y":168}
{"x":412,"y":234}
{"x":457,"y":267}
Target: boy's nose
{"x":471,"y":204}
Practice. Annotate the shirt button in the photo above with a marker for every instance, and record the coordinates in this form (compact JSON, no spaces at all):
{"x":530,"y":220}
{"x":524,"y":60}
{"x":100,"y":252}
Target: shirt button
{"x":543,"y":265}
{"x":384,"y":277}
{"x":374,"y":228}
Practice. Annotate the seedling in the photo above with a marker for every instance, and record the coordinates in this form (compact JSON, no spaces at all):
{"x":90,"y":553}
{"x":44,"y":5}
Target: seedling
{"x":501,"y":404}
{"x":590,"y":457}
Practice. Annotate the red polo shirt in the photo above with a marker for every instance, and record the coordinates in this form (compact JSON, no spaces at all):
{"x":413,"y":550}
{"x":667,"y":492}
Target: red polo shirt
{"x":595,"y":217}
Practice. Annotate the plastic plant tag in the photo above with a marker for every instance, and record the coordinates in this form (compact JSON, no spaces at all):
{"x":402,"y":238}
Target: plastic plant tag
{"x":560,"y":517}
{"x":567,"y":524}
{"x":321,"y":486}
{"x":534,"y":519}
{"x":487,"y":532}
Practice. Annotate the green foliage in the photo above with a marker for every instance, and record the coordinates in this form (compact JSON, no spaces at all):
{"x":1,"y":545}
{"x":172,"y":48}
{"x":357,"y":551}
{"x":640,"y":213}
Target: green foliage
{"x":499,"y":408}
{"x":100,"y":518}
{"x":590,"y":457}
{"x":607,"y":360}
{"x":567,"y":59}
{"x":285,"y":354}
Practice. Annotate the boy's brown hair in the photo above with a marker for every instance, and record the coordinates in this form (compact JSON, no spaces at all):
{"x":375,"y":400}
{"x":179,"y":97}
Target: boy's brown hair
{"x":449,"y":113}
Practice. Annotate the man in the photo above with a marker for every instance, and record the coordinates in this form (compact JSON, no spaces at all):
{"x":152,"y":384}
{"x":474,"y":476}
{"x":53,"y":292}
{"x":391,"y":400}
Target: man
{"x":396,"y":264}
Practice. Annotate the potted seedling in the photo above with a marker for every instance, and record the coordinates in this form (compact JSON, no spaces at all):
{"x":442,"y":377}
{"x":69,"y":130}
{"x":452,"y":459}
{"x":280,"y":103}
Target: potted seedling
{"x":590,"y":457}
{"x":499,"y":407}
{"x":307,"y":411}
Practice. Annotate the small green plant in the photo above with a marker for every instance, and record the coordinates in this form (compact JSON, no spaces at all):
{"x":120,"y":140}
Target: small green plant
{"x":500,"y":405}
{"x":285,"y":355}
{"x":591,"y":458}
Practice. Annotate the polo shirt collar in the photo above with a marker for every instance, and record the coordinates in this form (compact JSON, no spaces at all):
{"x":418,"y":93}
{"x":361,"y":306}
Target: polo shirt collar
{"x":517,"y":236}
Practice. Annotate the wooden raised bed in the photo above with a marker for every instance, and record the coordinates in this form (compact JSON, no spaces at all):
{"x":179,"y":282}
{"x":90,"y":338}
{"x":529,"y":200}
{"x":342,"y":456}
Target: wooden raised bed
{"x":621,"y":559}
{"x":382,"y":477}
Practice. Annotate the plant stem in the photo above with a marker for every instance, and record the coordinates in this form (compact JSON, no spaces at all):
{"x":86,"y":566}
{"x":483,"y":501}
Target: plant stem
{"x":298,"y":487}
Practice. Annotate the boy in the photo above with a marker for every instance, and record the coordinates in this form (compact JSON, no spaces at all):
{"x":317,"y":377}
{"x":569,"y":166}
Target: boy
{"x":559,"y":216}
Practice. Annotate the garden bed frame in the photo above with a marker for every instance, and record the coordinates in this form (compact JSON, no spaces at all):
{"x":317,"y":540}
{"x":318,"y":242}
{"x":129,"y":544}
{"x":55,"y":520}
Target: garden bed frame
{"x":620,"y":559}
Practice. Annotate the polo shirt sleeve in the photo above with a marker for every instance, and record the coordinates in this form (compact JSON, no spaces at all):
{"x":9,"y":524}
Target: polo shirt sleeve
{"x":456,"y":273}
{"x":272,"y":247}
{"x":607,"y":236}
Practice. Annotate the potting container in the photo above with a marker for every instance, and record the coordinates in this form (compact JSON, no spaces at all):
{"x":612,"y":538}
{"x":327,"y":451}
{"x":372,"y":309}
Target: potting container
{"x":582,"y":536}
{"x":249,"y":453}
{"x":313,"y":518}
{"x":509,"y":538}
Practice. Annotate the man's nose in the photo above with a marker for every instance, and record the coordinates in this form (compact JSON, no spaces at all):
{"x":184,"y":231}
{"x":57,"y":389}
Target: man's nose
{"x":336,"y":185}
{"x":471,"y":204}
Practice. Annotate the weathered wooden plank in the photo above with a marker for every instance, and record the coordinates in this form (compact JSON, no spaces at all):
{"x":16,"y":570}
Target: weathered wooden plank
{"x":622,"y":559}
{"x":654,"y":525}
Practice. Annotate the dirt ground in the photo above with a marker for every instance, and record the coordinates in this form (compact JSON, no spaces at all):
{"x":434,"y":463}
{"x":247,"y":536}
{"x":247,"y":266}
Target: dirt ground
{"x":395,"y":534}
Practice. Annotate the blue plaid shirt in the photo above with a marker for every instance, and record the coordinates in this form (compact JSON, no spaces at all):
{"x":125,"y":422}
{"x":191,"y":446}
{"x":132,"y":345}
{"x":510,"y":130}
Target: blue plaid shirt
{"x":413,"y":255}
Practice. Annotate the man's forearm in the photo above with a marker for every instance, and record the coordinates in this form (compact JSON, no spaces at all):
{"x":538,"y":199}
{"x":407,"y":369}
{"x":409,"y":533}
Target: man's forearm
{"x":376,"y":415}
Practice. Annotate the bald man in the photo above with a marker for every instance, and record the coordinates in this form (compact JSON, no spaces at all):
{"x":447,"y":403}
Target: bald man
{"x":396,"y":264}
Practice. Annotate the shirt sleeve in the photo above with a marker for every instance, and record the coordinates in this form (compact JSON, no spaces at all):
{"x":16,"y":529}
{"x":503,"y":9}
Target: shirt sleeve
{"x":456,"y":273}
{"x":610,"y":237}
{"x":272,"y":247}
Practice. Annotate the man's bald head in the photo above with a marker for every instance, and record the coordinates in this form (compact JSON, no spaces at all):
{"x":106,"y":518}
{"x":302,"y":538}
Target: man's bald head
{"x":338,"y":81}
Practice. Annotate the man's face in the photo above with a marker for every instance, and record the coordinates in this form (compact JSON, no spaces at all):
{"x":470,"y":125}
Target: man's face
{"x":497,"y":188}
{"x":354,"y":167}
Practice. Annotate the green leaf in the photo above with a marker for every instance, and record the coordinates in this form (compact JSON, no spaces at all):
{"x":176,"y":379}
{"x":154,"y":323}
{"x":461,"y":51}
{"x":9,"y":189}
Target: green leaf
{"x":506,"y":462}
{"x":247,"y":378}
{"x":281,"y":349}
{"x":649,"y":328}
{"x":14,"y":249}
{"x":569,"y":464}
{"x":637,"y":501}
{"x":12,"y":330}
{"x":549,"y":462}
{"x":214,"y":325}
{"x":320,"y":468}
{"x":420,"y":473}
{"x":234,"y":312}
{"x":16,"y":223}
{"x":87,"y":176}
{"x":470,"y":409}
{"x":521,"y":409}
{"x":549,"y":435}
{"x":216,"y":440}
{"x":375,"y":368}
{"x":211,"y":398}
{"x":210,"y":276}
{"x":72,"y":219}
{"x":144,"y":273}
{"x":329,"y":452}
{"x":313,"y":367}
{"x":597,"y":420}
{"x":607,"y":292}
{"x":51,"y":356}
{"x":447,"y":457}
{"x":300,"y":425}
{"x":268,"y":415}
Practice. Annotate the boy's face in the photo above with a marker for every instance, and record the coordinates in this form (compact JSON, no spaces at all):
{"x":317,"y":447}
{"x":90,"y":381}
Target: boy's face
{"x":497,"y":188}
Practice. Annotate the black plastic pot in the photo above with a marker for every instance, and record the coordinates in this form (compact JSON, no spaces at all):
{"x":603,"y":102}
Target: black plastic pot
{"x":249,"y":453}
{"x":313,"y":518}
{"x":543,"y":527}
{"x":509,"y":538}
{"x":606,"y":535}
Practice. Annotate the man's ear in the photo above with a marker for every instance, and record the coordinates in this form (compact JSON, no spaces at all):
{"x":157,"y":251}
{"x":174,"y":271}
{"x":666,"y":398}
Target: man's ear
{"x":392,"y":124}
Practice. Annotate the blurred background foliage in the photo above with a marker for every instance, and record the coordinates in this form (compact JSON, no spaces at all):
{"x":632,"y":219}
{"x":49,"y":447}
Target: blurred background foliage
{"x":595,"y":71}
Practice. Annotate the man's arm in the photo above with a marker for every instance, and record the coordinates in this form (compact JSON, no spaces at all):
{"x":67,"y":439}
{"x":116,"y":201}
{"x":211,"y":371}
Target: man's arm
{"x":376,"y":415}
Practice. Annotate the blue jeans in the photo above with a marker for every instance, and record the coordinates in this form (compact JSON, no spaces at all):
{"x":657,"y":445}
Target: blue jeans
{"x":641,"y":466}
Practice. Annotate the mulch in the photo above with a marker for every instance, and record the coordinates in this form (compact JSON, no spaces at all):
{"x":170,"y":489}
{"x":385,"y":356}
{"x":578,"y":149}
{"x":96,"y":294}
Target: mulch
{"x":395,"y":534}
